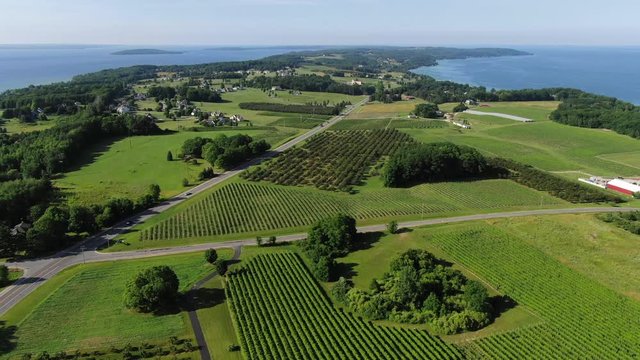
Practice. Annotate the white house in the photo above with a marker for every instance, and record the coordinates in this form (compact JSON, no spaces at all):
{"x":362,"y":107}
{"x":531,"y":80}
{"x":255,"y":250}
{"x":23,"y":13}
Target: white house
{"x":123,"y":109}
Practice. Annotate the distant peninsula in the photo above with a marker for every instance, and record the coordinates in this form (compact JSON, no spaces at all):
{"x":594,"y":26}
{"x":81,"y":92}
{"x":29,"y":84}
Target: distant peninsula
{"x":145,"y":52}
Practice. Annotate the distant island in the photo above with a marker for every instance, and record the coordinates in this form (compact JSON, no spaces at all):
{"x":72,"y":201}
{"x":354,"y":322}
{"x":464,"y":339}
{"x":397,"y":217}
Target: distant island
{"x":145,"y":52}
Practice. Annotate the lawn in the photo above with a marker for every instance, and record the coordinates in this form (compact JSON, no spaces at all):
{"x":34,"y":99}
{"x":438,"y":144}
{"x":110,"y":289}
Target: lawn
{"x":217,"y":325}
{"x":128,"y":166}
{"x":15,"y":126}
{"x":81,"y":308}
{"x":243,"y":209}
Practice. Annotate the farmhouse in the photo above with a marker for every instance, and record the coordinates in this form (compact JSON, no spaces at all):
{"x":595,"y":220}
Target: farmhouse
{"x":623,"y":187}
{"x":470,"y":102}
{"x":276,"y":88}
{"x":355,"y":82}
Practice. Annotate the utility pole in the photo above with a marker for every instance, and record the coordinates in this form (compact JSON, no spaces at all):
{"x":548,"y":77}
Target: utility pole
{"x":82,"y":249}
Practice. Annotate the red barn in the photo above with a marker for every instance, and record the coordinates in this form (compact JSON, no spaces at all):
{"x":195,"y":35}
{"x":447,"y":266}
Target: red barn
{"x":622,"y":186}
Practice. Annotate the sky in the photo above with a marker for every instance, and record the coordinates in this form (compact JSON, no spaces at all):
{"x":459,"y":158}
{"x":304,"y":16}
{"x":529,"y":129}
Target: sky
{"x":321,"y":22}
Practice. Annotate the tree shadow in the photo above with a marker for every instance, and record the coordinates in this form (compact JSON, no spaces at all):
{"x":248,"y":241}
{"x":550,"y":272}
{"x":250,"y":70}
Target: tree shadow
{"x":501,"y":304}
{"x":8,"y":339}
{"x":366,"y":241}
{"x":202,"y":298}
{"x":346,"y":270}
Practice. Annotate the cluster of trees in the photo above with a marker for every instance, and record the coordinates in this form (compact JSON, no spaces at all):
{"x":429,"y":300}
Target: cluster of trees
{"x":152,"y":289}
{"x":225,"y":152}
{"x":433,"y":162}
{"x":429,"y":111}
{"x":329,"y":239}
{"x":52,"y":226}
{"x":4,"y":275}
{"x":418,"y":289}
{"x":595,"y":111}
{"x":316,"y":109}
{"x":439,"y":92}
{"x":559,"y":187}
{"x":628,"y":221}
{"x":310,"y":83}
{"x":184,"y":92}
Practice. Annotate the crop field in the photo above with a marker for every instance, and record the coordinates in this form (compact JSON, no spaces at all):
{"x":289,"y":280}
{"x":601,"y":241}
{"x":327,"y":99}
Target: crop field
{"x":299,"y":121}
{"x":281,"y":313}
{"x":82,"y":308}
{"x":372,"y":124}
{"x":242,"y":207}
{"x":381,"y":110}
{"x":630,"y":159}
{"x":332,"y":160}
{"x":581,"y":317}
{"x":128,"y":166}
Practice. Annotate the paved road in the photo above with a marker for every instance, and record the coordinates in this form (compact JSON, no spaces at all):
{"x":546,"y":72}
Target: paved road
{"x":37,"y":271}
{"x":501,"y":115}
{"x":47,"y":268}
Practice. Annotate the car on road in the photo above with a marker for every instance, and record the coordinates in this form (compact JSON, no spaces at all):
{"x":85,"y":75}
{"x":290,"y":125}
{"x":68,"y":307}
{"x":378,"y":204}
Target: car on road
{"x":189,"y":194}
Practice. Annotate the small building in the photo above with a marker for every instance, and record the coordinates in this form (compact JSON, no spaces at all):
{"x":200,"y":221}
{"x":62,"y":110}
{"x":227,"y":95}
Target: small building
{"x":470,"y":102}
{"x":623,"y":187}
{"x":412,"y":116}
{"x":139,"y":97}
{"x":276,"y":88}
{"x":355,"y":82}
{"x":20,"y":229}
{"x":407,"y":97}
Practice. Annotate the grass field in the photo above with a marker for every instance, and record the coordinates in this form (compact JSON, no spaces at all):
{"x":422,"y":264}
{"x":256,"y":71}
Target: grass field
{"x":128,"y":166}
{"x":400,"y":123}
{"x":245,"y":208}
{"x":15,"y":126}
{"x":81,"y":308}
{"x":280,"y":312}
{"x":377,"y":110}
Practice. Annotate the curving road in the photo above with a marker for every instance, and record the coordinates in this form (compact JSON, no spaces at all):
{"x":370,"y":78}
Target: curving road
{"x":47,"y":268}
{"x":500,"y":115}
{"x":37,"y":271}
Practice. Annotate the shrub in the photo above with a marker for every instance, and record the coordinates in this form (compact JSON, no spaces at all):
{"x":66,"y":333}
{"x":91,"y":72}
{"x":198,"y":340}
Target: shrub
{"x":151,"y":289}
{"x":211,"y":256}
{"x":185,"y":182}
{"x":340,"y":290}
{"x":221,"y":266}
{"x":392,"y":227}
{"x":4,"y":275}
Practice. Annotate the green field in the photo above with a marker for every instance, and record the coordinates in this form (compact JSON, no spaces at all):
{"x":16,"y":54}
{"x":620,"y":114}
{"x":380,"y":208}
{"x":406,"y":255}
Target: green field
{"x":370,"y":124}
{"x":581,"y":317}
{"x":14,"y":274}
{"x":128,"y":166}
{"x":81,"y":308}
{"x":280,"y":312}
{"x":241,"y":207}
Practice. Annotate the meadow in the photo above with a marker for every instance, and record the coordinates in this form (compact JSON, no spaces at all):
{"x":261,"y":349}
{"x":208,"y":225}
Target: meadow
{"x":376,"y":110}
{"x":127,"y":167}
{"x":280,"y":312}
{"x":240,"y":207}
{"x":81,"y":308}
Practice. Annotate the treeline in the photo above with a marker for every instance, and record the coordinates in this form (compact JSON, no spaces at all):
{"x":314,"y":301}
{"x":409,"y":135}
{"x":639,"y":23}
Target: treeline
{"x":214,"y":70}
{"x":629,"y":221}
{"x":225,"y":152}
{"x":315,"y":109}
{"x":594,"y":111}
{"x":60,"y":98}
{"x":439,"y":92}
{"x":185,"y":92}
{"x":44,"y":153}
{"x":419,"y":289}
{"x":310,"y":83}
{"x":434,"y":162}
{"x":29,"y":160}
{"x":58,"y":225}
{"x":559,"y":187}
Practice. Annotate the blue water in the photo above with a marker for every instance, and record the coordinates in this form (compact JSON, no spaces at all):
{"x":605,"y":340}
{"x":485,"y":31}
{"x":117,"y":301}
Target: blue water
{"x":23,"y":65}
{"x":607,"y":71}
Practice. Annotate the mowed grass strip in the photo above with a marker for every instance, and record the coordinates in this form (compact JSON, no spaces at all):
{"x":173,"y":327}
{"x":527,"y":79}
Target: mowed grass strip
{"x":82,"y":308}
{"x":241,"y":207}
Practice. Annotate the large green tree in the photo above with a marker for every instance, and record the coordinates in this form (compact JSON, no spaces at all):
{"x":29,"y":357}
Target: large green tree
{"x":152,"y":289}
